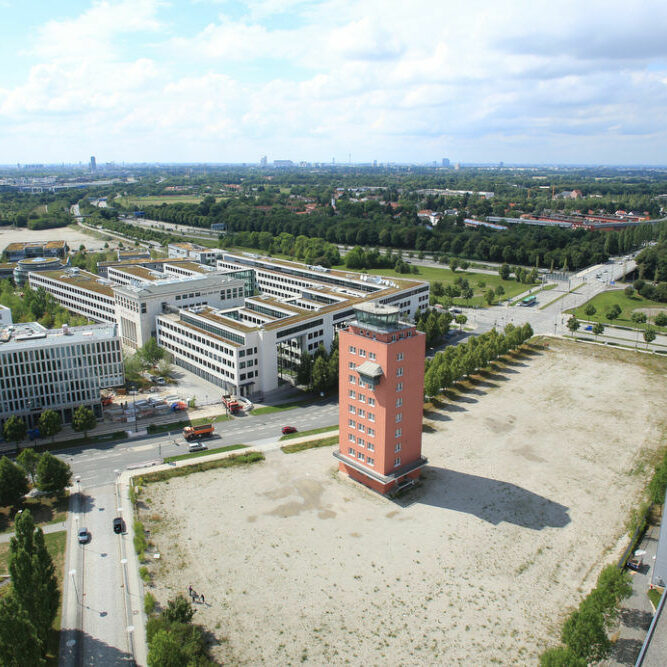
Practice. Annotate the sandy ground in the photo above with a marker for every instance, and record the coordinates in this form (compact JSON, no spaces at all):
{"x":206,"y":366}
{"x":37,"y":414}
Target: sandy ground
{"x":531,"y":477}
{"x":74,"y":237}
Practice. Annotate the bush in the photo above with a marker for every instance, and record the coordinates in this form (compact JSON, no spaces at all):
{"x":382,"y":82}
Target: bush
{"x":140,"y":544}
{"x":149,"y":603}
{"x":144,"y":574}
{"x":661,"y":319}
{"x":229,"y":462}
{"x":658,"y":485}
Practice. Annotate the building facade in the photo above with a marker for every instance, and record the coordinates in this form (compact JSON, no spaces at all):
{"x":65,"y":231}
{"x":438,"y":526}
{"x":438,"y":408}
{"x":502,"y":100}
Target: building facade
{"x":57,"y":369}
{"x":381,"y":388}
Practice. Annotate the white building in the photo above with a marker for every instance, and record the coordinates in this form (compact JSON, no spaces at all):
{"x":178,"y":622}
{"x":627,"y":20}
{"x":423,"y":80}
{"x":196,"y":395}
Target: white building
{"x":57,"y":369}
{"x":198,"y":253}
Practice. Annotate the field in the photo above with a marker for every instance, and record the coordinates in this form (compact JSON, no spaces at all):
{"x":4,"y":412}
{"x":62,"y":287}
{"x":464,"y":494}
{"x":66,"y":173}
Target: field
{"x":628,"y":304}
{"x":447,"y":277}
{"x":156,"y":200}
{"x":532,"y":473}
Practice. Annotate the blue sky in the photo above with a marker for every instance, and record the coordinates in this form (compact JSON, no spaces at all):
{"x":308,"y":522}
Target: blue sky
{"x":387,"y":80}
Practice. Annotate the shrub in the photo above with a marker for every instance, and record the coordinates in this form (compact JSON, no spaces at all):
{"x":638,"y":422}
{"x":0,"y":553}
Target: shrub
{"x":144,"y":574}
{"x":140,"y":544}
{"x":661,"y":319}
{"x":149,"y":603}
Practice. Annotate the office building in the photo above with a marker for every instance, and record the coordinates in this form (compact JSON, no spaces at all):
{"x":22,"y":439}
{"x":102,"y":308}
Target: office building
{"x":26,"y":249}
{"x":57,"y":369}
{"x":381,"y":388}
{"x":93,"y":163}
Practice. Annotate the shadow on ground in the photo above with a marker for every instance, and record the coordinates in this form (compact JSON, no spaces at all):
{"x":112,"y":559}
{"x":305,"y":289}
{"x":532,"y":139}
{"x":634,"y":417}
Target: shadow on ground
{"x":625,"y":651}
{"x":491,"y":500}
{"x":90,"y":651}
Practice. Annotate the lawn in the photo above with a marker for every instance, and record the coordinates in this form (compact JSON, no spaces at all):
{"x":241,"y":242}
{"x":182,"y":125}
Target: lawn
{"x":269,"y":409}
{"x":55,"y":543}
{"x":310,"y":444}
{"x":156,"y":200}
{"x":204,"y":452}
{"x":604,"y":301}
{"x":447,"y":277}
{"x":314,"y":431}
{"x":44,"y":510}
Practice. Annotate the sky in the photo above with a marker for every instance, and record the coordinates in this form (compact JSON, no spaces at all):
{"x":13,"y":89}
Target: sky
{"x":518,"y":81}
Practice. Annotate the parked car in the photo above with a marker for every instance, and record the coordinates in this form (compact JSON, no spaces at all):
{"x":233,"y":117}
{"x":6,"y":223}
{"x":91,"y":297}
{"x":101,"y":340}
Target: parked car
{"x":288,"y":429}
{"x":83,"y":535}
{"x":197,"y":447}
{"x":118,"y":525}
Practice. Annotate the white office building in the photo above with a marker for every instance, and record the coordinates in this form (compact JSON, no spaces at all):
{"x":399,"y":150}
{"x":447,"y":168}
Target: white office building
{"x":57,"y":369}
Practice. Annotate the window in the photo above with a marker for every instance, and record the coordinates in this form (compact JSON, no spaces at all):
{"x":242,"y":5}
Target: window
{"x":398,"y":432}
{"x":360,"y":442}
{"x":350,"y":437}
{"x":371,"y":446}
{"x":351,"y":409}
{"x":351,"y":423}
{"x":371,"y":432}
{"x":361,"y":427}
{"x":352,"y":394}
{"x":350,"y":451}
{"x":371,"y":417}
{"x":397,"y":462}
{"x":371,"y":356}
{"x":362,"y":412}
{"x":399,"y":401}
{"x":360,"y":456}
{"x":362,"y":353}
{"x":399,"y":417}
{"x":351,"y":364}
{"x":399,"y":386}
{"x":353,"y":350}
{"x":371,"y":401}
{"x":400,"y":356}
{"x":352,"y":379}
{"x":397,"y":446}
{"x":370,"y":461}
{"x":362,"y":398}
{"x":399,"y":371}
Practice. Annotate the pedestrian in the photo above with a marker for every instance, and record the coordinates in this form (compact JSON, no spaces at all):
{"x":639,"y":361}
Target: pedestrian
{"x":201,"y":598}
{"x":190,"y":590}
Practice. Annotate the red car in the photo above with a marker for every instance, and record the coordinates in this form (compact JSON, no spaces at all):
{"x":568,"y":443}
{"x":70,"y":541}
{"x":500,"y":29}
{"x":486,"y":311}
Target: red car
{"x":289,"y":429}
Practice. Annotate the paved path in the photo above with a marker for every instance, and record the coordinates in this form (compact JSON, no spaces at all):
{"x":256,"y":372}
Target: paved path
{"x":50,"y":528}
{"x":637,"y":610}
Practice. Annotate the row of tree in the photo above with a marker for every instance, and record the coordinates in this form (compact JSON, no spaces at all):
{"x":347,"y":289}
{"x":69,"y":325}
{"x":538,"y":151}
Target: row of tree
{"x":28,"y":305}
{"x":434,"y":322}
{"x":50,"y":424}
{"x":456,"y":362}
{"x":27,"y":612}
{"x":48,"y":473}
{"x":319,"y":372}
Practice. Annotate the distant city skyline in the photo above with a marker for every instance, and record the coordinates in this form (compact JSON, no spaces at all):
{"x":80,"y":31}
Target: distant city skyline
{"x":221,"y":81}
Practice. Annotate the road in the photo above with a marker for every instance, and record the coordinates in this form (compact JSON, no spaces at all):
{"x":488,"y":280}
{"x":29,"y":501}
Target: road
{"x":95,"y":599}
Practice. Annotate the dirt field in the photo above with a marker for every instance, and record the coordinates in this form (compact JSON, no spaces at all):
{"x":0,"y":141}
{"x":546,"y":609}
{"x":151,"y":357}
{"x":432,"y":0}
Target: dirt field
{"x":531,"y":477}
{"x":73,"y":236}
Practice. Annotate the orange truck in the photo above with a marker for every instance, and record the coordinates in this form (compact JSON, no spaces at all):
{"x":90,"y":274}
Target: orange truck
{"x":198,"y":432}
{"x":231,"y":403}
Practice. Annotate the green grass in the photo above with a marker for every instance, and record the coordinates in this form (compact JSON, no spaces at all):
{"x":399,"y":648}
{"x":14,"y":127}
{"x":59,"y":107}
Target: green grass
{"x":310,"y":444}
{"x":269,"y":409}
{"x":654,"y":596}
{"x":45,"y":510}
{"x":604,"y":301}
{"x":314,"y":431}
{"x":204,"y":452}
{"x":184,"y":471}
{"x":55,"y":543}
{"x":156,"y":200}
{"x":77,"y":442}
{"x":447,"y":277}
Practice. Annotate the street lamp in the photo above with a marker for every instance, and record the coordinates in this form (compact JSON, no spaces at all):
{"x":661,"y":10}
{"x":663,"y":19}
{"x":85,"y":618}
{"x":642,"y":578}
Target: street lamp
{"x":76,"y":592}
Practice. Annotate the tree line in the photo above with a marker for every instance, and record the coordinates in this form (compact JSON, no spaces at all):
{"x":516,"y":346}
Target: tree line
{"x":319,"y":372}
{"x":456,"y":362}
{"x":28,"y":305}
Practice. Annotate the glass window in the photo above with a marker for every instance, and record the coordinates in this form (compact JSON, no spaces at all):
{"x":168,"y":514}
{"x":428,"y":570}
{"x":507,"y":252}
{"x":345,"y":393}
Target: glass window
{"x":398,"y":432}
{"x":397,"y":447}
{"x":370,"y":461}
{"x":400,"y":356}
{"x":397,"y":462}
{"x":353,"y":394}
{"x":399,"y":402}
{"x":351,"y":423}
{"x":371,"y":401}
{"x":399,"y":371}
{"x":399,"y":386}
{"x":399,"y":417}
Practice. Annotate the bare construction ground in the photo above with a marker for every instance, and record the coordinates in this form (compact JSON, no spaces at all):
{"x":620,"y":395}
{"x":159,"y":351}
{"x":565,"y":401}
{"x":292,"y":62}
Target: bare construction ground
{"x":532,"y":473}
{"x":74,"y":237}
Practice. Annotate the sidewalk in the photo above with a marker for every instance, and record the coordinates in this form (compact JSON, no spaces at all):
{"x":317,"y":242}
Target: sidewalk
{"x":637,"y":610}
{"x":49,"y":528}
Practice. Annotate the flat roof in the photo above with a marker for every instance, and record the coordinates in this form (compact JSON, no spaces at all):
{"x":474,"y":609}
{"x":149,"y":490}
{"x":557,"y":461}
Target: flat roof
{"x":32,"y":334}
{"x":179,"y":284}
{"x":193,"y":327}
{"x":219,"y":317}
{"x":81,"y":278}
{"x":140,"y":272}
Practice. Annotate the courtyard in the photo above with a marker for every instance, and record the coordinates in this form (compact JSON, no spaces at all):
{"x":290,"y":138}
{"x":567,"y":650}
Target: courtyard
{"x":532,"y":472}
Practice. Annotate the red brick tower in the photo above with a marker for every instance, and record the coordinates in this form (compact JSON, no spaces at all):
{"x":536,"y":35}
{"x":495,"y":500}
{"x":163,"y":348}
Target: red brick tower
{"x":381,"y":387}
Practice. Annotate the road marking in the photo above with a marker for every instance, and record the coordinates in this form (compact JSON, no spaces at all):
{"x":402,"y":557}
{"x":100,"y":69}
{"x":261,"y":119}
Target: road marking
{"x":140,"y":448}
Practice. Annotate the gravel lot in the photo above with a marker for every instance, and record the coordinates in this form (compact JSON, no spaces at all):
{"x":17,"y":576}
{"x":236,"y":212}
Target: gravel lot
{"x":73,"y":236}
{"x":531,"y":476}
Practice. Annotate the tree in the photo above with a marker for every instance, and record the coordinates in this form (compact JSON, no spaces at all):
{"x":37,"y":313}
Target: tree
{"x":305,"y":370}
{"x":19,"y":644}
{"x":466,"y":293}
{"x":461,"y":320}
{"x":33,"y":575}
{"x":649,"y":335}
{"x":165,"y":651}
{"x":598,"y":328}
{"x":561,"y":657}
{"x":50,"y":423}
{"x":454,"y":264}
{"x":573,"y":324}
{"x":590,"y":310}
{"x":13,"y":482}
{"x":661,"y":319}
{"x":150,"y":352}
{"x":84,"y":420}
{"x":27,"y":460}
{"x":500,"y":290}
{"x":504,"y":271}
{"x":638,"y":318}
{"x":164,"y":366}
{"x":585,"y":635}
{"x":321,"y":377}
{"x":179,"y":610}
{"x":629,"y":291}
{"x":489,"y":296}
{"x":15,"y":430}
{"x":613,"y":312}
{"x":437,"y":288}
{"x":53,"y":475}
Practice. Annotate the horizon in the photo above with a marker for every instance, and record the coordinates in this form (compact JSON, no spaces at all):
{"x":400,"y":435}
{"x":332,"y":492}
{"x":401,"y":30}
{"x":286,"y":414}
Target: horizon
{"x":227,"y":82}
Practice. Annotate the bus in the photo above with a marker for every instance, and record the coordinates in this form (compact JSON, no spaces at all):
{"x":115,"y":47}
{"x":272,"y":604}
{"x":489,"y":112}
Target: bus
{"x":529,"y":300}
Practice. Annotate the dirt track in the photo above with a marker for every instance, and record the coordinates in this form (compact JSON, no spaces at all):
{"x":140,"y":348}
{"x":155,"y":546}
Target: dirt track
{"x":531,"y":477}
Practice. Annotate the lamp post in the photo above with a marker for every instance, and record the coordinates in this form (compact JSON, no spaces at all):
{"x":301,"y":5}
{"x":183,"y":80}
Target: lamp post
{"x":76,"y":592}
